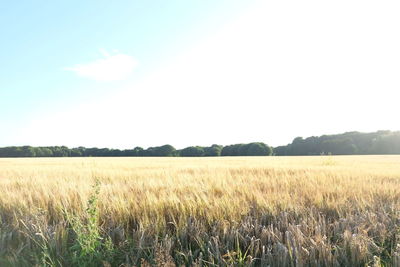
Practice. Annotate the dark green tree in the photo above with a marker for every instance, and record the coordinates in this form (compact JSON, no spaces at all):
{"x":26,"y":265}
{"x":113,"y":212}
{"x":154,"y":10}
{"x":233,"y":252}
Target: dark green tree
{"x":192,"y":151}
{"x":164,"y":151}
{"x":212,"y":151}
{"x":258,"y":149}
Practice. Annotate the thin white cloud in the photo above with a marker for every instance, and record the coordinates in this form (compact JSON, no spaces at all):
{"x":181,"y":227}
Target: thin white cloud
{"x":110,"y":68}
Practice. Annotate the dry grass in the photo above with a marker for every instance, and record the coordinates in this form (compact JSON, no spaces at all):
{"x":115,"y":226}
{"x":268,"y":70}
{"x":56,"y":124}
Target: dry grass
{"x":277,"y":211}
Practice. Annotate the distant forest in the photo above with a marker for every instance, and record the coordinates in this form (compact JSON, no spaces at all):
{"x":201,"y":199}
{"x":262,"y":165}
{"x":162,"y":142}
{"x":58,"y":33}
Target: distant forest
{"x":350,"y":143}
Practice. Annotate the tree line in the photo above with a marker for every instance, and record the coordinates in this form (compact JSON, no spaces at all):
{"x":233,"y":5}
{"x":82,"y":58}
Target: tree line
{"x":350,"y":143}
{"x":251,"y":149}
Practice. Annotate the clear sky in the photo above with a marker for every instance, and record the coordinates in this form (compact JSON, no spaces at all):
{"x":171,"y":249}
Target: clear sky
{"x":121,"y":74}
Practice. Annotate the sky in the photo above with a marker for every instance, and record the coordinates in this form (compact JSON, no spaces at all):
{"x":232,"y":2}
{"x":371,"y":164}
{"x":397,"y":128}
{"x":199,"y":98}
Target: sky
{"x":121,"y":74}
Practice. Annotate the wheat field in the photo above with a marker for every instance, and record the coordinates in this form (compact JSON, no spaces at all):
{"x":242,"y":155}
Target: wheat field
{"x":224,"y":211}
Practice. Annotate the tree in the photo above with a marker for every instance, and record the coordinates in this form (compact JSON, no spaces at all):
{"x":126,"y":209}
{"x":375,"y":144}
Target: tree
{"x":192,"y":151}
{"x":242,"y":149}
{"x":280,"y":150}
{"x":76,"y":152}
{"x":226,"y":151}
{"x":44,"y":152}
{"x":164,"y":151}
{"x":138,"y":151}
{"x":251,"y":149}
{"x":27,"y":152}
{"x":340,"y":146}
{"x":212,"y":151}
{"x":258,"y":149}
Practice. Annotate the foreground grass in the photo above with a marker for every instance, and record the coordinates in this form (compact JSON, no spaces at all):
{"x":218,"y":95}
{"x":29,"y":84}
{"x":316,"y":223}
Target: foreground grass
{"x":261,"y":211}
